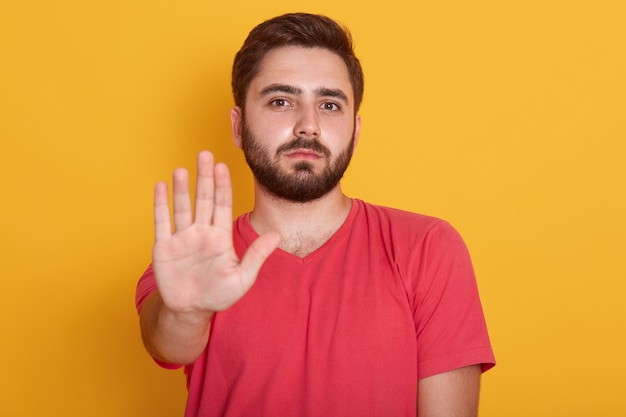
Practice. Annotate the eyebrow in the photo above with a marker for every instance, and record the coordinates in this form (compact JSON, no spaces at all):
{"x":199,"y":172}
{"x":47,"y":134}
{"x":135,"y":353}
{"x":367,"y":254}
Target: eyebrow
{"x":331,"y":92}
{"x":281,"y":88}
{"x":290,"y":89}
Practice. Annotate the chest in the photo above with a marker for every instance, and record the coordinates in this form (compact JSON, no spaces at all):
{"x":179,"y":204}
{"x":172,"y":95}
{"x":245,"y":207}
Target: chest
{"x":330,"y":327}
{"x":353,"y":313}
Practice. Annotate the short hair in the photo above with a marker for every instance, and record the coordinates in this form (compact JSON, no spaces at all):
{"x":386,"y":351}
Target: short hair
{"x":294,"y":29}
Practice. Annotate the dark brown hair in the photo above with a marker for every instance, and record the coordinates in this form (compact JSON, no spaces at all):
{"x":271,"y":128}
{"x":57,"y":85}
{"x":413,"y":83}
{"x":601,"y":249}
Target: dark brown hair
{"x":299,"y":29}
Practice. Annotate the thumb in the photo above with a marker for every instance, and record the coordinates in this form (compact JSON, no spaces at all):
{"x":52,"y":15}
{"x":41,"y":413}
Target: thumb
{"x":257,"y":253}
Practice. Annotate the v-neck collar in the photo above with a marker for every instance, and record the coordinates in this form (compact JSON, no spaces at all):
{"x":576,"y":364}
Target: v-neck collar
{"x":250,"y":235}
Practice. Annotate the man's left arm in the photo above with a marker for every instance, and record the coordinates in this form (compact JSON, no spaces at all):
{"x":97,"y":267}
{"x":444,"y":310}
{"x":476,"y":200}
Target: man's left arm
{"x":450,"y":394}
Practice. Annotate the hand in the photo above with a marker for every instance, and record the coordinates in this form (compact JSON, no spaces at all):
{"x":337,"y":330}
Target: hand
{"x":196,"y":268}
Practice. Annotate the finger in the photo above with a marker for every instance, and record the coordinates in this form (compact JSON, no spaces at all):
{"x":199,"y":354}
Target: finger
{"x":223,"y":210}
{"x":162,"y":222}
{"x":182,"y":203}
{"x":256,"y":254}
{"x":205,"y":188}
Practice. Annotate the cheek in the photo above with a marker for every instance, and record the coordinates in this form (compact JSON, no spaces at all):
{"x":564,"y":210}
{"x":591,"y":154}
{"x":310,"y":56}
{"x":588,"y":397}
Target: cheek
{"x":339,"y":131}
{"x":274,"y":128}
{"x":270,"y":133}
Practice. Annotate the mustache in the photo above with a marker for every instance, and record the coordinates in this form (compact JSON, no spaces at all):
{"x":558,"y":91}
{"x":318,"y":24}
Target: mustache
{"x":304,"y":143}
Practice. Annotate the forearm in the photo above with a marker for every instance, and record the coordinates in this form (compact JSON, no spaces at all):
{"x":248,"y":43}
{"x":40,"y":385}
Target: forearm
{"x":172,"y":337}
{"x":450,"y":394}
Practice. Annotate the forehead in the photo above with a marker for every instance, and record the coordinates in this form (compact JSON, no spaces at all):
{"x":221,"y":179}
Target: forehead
{"x":306,"y":68}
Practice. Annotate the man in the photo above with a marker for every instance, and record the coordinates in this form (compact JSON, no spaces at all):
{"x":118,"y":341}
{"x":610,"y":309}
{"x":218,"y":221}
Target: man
{"x":313,"y":304}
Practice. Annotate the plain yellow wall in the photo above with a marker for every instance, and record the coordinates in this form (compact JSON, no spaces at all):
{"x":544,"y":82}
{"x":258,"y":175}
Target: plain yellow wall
{"x":505,"y":117}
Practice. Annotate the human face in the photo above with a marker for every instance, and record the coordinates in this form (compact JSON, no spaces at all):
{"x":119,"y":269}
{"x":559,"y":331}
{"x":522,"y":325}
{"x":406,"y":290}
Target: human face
{"x":298,"y":130}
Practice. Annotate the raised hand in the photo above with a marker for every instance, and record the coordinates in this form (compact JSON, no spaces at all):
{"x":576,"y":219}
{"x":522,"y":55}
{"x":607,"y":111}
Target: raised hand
{"x":195,"y":266}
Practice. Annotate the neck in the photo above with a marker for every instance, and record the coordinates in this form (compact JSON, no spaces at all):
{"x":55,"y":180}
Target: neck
{"x":304,"y":226}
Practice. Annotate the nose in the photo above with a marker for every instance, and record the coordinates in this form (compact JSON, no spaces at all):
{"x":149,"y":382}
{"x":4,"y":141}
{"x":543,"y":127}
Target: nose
{"x":307,"y":123}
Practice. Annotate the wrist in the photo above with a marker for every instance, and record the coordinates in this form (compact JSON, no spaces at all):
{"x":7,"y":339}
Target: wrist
{"x":186,"y":318}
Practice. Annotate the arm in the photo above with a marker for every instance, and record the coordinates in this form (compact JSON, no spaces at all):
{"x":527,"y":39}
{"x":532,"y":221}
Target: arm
{"x":195,"y":267}
{"x":171,"y":337}
{"x":450,"y":394}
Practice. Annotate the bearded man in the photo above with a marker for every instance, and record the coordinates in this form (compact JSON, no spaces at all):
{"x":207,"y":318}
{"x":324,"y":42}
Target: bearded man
{"x":314,"y":303}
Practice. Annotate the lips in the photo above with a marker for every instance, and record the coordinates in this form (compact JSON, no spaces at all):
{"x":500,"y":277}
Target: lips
{"x":303,"y":153}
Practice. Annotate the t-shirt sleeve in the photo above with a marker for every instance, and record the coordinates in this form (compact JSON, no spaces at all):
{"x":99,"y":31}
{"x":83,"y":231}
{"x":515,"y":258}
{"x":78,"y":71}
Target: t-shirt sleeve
{"x":450,"y":325}
{"x":145,"y":287}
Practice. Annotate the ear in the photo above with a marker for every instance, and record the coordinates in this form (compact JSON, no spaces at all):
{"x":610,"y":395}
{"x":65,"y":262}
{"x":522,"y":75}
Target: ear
{"x":357,"y":129}
{"x":236,"y":125}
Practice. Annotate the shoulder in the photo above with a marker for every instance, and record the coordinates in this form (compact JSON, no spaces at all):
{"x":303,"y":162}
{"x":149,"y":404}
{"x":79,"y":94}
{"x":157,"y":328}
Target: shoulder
{"x":407,"y":232}
{"x":400,"y":220}
{"x":243,"y":233}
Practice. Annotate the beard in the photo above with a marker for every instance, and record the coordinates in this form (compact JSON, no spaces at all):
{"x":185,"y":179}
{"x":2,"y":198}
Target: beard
{"x":300,"y":184}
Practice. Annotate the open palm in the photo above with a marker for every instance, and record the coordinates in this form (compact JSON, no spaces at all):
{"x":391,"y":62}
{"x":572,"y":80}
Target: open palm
{"x":195,"y":265}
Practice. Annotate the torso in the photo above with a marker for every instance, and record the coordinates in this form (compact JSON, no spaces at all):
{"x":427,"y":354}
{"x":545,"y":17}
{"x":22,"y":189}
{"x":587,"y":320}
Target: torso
{"x":346,"y":329}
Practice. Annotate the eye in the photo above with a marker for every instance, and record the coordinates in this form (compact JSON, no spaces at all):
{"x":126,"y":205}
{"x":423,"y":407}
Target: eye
{"x":279,"y":102}
{"x":331,"y":106}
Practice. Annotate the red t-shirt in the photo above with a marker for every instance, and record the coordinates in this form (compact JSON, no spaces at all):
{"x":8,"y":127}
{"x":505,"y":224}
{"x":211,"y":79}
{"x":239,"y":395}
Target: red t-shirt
{"x":349,"y":329}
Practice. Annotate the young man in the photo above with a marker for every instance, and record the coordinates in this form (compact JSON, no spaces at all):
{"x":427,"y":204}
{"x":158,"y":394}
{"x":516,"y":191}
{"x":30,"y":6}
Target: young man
{"x":313,"y":304}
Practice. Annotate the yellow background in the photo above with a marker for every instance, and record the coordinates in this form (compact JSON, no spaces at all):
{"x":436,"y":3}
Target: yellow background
{"x":505,"y":117}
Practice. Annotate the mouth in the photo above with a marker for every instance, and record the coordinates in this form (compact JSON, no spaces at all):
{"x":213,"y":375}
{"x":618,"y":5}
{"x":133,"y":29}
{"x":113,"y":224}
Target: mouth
{"x":301,"y":153}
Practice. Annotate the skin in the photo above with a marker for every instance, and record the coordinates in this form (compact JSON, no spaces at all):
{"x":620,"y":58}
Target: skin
{"x":450,"y":394}
{"x":299,"y":92}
